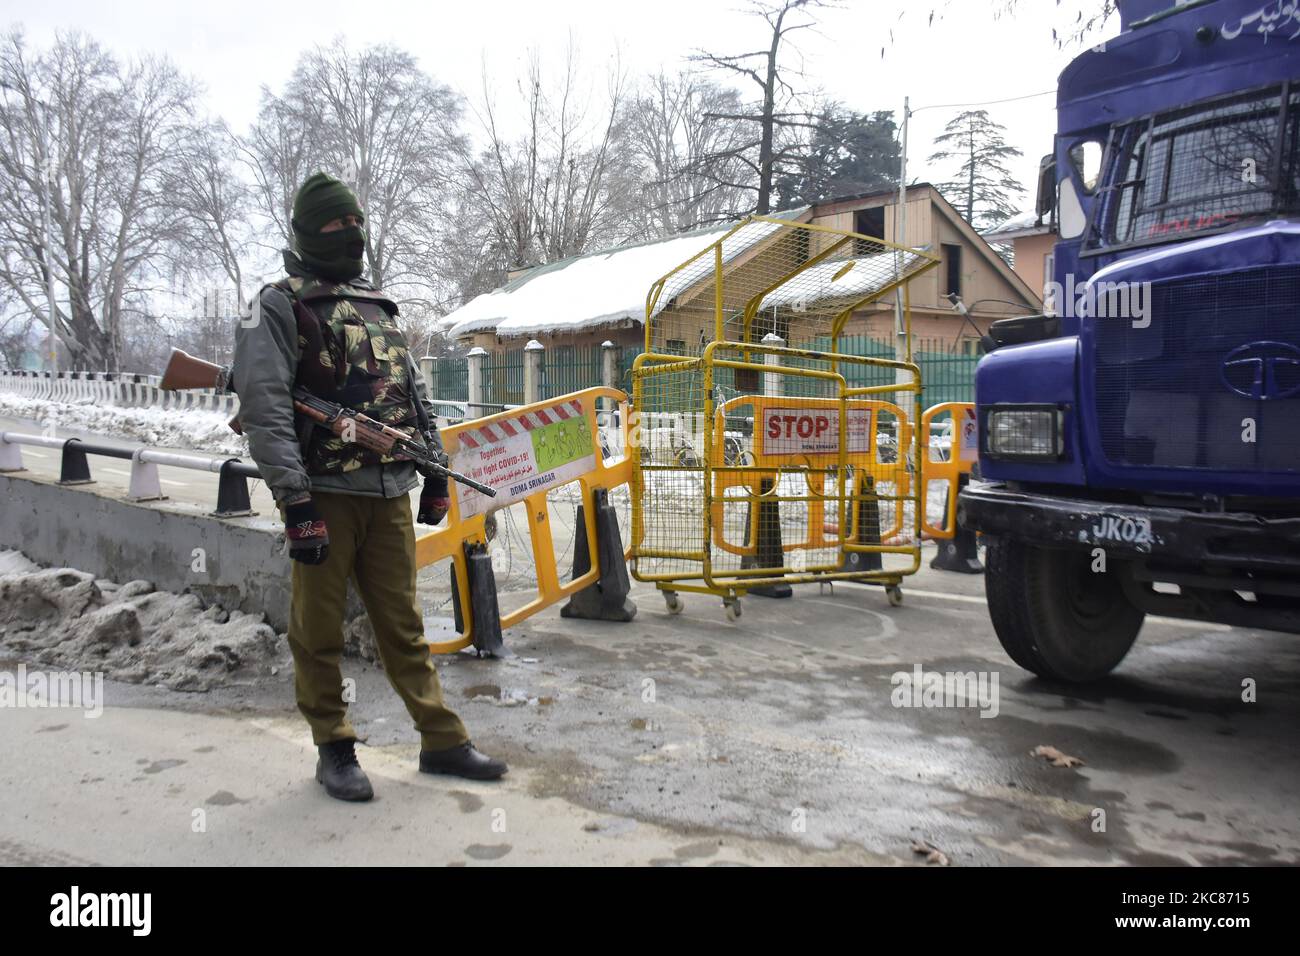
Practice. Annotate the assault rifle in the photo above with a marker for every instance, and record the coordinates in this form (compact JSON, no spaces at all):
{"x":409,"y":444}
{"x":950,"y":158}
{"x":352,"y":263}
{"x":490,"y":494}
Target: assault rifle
{"x":188,"y":371}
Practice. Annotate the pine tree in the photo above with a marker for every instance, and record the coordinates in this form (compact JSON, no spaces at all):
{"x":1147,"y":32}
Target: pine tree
{"x":848,"y":153}
{"x":984,"y":191}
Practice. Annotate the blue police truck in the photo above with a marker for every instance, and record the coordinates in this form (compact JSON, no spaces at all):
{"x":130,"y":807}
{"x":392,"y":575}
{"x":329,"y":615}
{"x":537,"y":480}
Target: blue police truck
{"x":1140,"y":441}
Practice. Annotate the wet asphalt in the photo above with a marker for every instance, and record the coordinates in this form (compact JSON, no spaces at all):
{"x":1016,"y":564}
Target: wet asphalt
{"x":781,"y":730}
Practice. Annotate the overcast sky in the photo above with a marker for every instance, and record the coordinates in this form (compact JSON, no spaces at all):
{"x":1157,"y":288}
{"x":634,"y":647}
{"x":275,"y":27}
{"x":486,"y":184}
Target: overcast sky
{"x":234,"y":47}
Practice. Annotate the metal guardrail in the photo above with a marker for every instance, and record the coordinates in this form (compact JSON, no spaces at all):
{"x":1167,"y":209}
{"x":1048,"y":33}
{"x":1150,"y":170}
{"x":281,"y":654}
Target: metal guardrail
{"x":454,"y":411}
{"x":74,"y":468}
{"x":125,"y":389}
{"x":131,"y":390}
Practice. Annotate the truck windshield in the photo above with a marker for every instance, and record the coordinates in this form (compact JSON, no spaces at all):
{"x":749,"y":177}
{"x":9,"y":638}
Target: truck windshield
{"x":1200,"y":169}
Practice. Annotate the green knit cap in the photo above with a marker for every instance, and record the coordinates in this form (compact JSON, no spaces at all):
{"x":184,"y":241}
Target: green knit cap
{"x":321,"y":199}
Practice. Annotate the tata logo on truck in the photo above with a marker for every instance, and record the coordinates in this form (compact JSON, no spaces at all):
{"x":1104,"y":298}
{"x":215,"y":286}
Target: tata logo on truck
{"x":811,"y":431}
{"x":1262,"y":371}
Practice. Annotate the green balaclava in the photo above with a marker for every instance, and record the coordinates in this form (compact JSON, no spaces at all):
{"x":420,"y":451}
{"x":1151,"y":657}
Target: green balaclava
{"x":333,"y":255}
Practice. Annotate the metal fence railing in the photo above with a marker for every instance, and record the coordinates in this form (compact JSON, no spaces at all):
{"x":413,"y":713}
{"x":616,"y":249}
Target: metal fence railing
{"x":451,"y":375}
{"x":570,"y":368}
{"x":503,"y":377}
{"x":947,"y":375}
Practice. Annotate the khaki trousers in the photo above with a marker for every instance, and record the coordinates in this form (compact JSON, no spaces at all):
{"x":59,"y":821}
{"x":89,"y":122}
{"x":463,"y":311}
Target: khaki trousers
{"x":371,"y":541}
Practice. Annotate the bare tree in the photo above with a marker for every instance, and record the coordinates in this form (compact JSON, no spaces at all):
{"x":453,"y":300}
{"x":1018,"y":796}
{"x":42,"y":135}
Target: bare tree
{"x":1089,"y":16}
{"x":387,"y":128}
{"x":376,"y":120}
{"x":664,"y":142}
{"x":781,"y":128}
{"x":472,"y":260}
{"x":278,"y":154}
{"x":550,"y":192}
{"x":15,"y":335}
{"x":214,"y":202}
{"x":89,"y":143}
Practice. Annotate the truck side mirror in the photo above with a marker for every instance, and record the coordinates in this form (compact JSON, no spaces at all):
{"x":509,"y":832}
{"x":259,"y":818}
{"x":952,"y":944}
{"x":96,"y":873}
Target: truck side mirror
{"x":1046,"y":186}
{"x":1021,"y":330}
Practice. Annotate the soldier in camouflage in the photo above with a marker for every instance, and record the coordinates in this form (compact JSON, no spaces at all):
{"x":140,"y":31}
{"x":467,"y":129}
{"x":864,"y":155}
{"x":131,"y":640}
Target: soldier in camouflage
{"x":346,"y":509}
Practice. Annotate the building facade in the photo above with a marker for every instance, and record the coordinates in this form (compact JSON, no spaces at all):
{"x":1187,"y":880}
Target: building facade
{"x":1031,"y":239}
{"x":579,"y":303}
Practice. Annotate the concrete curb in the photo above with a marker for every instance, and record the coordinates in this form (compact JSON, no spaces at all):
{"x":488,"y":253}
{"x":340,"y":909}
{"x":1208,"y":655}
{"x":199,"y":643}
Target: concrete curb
{"x":239,"y":560}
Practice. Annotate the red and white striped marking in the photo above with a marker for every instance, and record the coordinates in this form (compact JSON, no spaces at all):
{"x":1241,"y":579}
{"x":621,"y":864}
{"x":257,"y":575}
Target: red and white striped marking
{"x":510,"y":427}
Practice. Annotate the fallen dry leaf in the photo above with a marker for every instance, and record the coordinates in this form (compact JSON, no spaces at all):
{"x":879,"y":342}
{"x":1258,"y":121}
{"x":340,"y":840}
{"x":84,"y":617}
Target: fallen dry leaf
{"x":1055,"y":757}
{"x":931,"y":853}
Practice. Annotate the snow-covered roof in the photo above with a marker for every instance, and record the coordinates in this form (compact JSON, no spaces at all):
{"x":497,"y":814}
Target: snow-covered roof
{"x":1021,"y":224}
{"x":837,"y":280}
{"x":597,"y":288}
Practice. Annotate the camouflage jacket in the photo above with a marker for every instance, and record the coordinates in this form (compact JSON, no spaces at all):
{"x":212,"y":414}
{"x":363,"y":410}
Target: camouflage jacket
{"x":357,"y":357}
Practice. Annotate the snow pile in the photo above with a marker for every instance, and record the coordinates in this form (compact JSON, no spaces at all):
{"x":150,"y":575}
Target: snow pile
{"x":15,"y":562}
{"x":68,"y":619}
{"x":190,"y":428}
{"x":599,"y":287}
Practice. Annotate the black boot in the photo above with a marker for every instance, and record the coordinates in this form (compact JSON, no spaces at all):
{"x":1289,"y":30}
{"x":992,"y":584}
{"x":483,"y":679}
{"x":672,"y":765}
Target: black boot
{"x":339,"y":771}
{"x":462,"y":761}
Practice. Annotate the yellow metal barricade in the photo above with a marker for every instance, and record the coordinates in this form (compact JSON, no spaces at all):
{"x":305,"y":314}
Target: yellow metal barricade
{"x":758,"y":441}
{"x":760,"y":461}
{"x":523,"y":454}
{"x":949,"y":455}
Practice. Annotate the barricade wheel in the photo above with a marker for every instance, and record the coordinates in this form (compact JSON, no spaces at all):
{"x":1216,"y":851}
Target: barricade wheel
{"x":673,"y":602}
{"x":895,"y":595}
{"x":733,"y":610}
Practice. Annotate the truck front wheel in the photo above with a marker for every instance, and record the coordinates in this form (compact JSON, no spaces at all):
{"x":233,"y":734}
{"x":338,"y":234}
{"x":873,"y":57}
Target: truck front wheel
{"x":1053,"y":614}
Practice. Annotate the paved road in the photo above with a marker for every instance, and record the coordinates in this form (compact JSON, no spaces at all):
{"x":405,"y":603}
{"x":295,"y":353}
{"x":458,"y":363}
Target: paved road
{"x":691,"y":739}
{"x":773,"y":739}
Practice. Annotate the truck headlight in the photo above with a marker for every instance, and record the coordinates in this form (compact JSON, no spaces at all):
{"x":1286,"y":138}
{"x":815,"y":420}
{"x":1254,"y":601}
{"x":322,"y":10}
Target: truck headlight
{"x":1024,"y":432}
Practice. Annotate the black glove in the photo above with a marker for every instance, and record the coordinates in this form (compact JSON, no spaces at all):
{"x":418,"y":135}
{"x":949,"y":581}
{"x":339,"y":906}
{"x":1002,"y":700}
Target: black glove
{"x":304,"y":529}
{"x":434,"y":500}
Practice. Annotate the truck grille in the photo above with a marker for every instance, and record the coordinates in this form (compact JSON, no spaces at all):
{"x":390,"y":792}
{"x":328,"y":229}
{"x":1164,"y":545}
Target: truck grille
{"x":1219,"y":350}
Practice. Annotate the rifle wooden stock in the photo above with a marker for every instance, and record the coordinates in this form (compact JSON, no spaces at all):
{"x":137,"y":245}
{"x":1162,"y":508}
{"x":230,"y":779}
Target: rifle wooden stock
{"x":189,"y":371}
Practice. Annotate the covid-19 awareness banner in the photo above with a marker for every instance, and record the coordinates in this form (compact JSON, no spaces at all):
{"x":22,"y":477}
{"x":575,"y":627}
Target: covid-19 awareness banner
{"x":524,"y":454}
